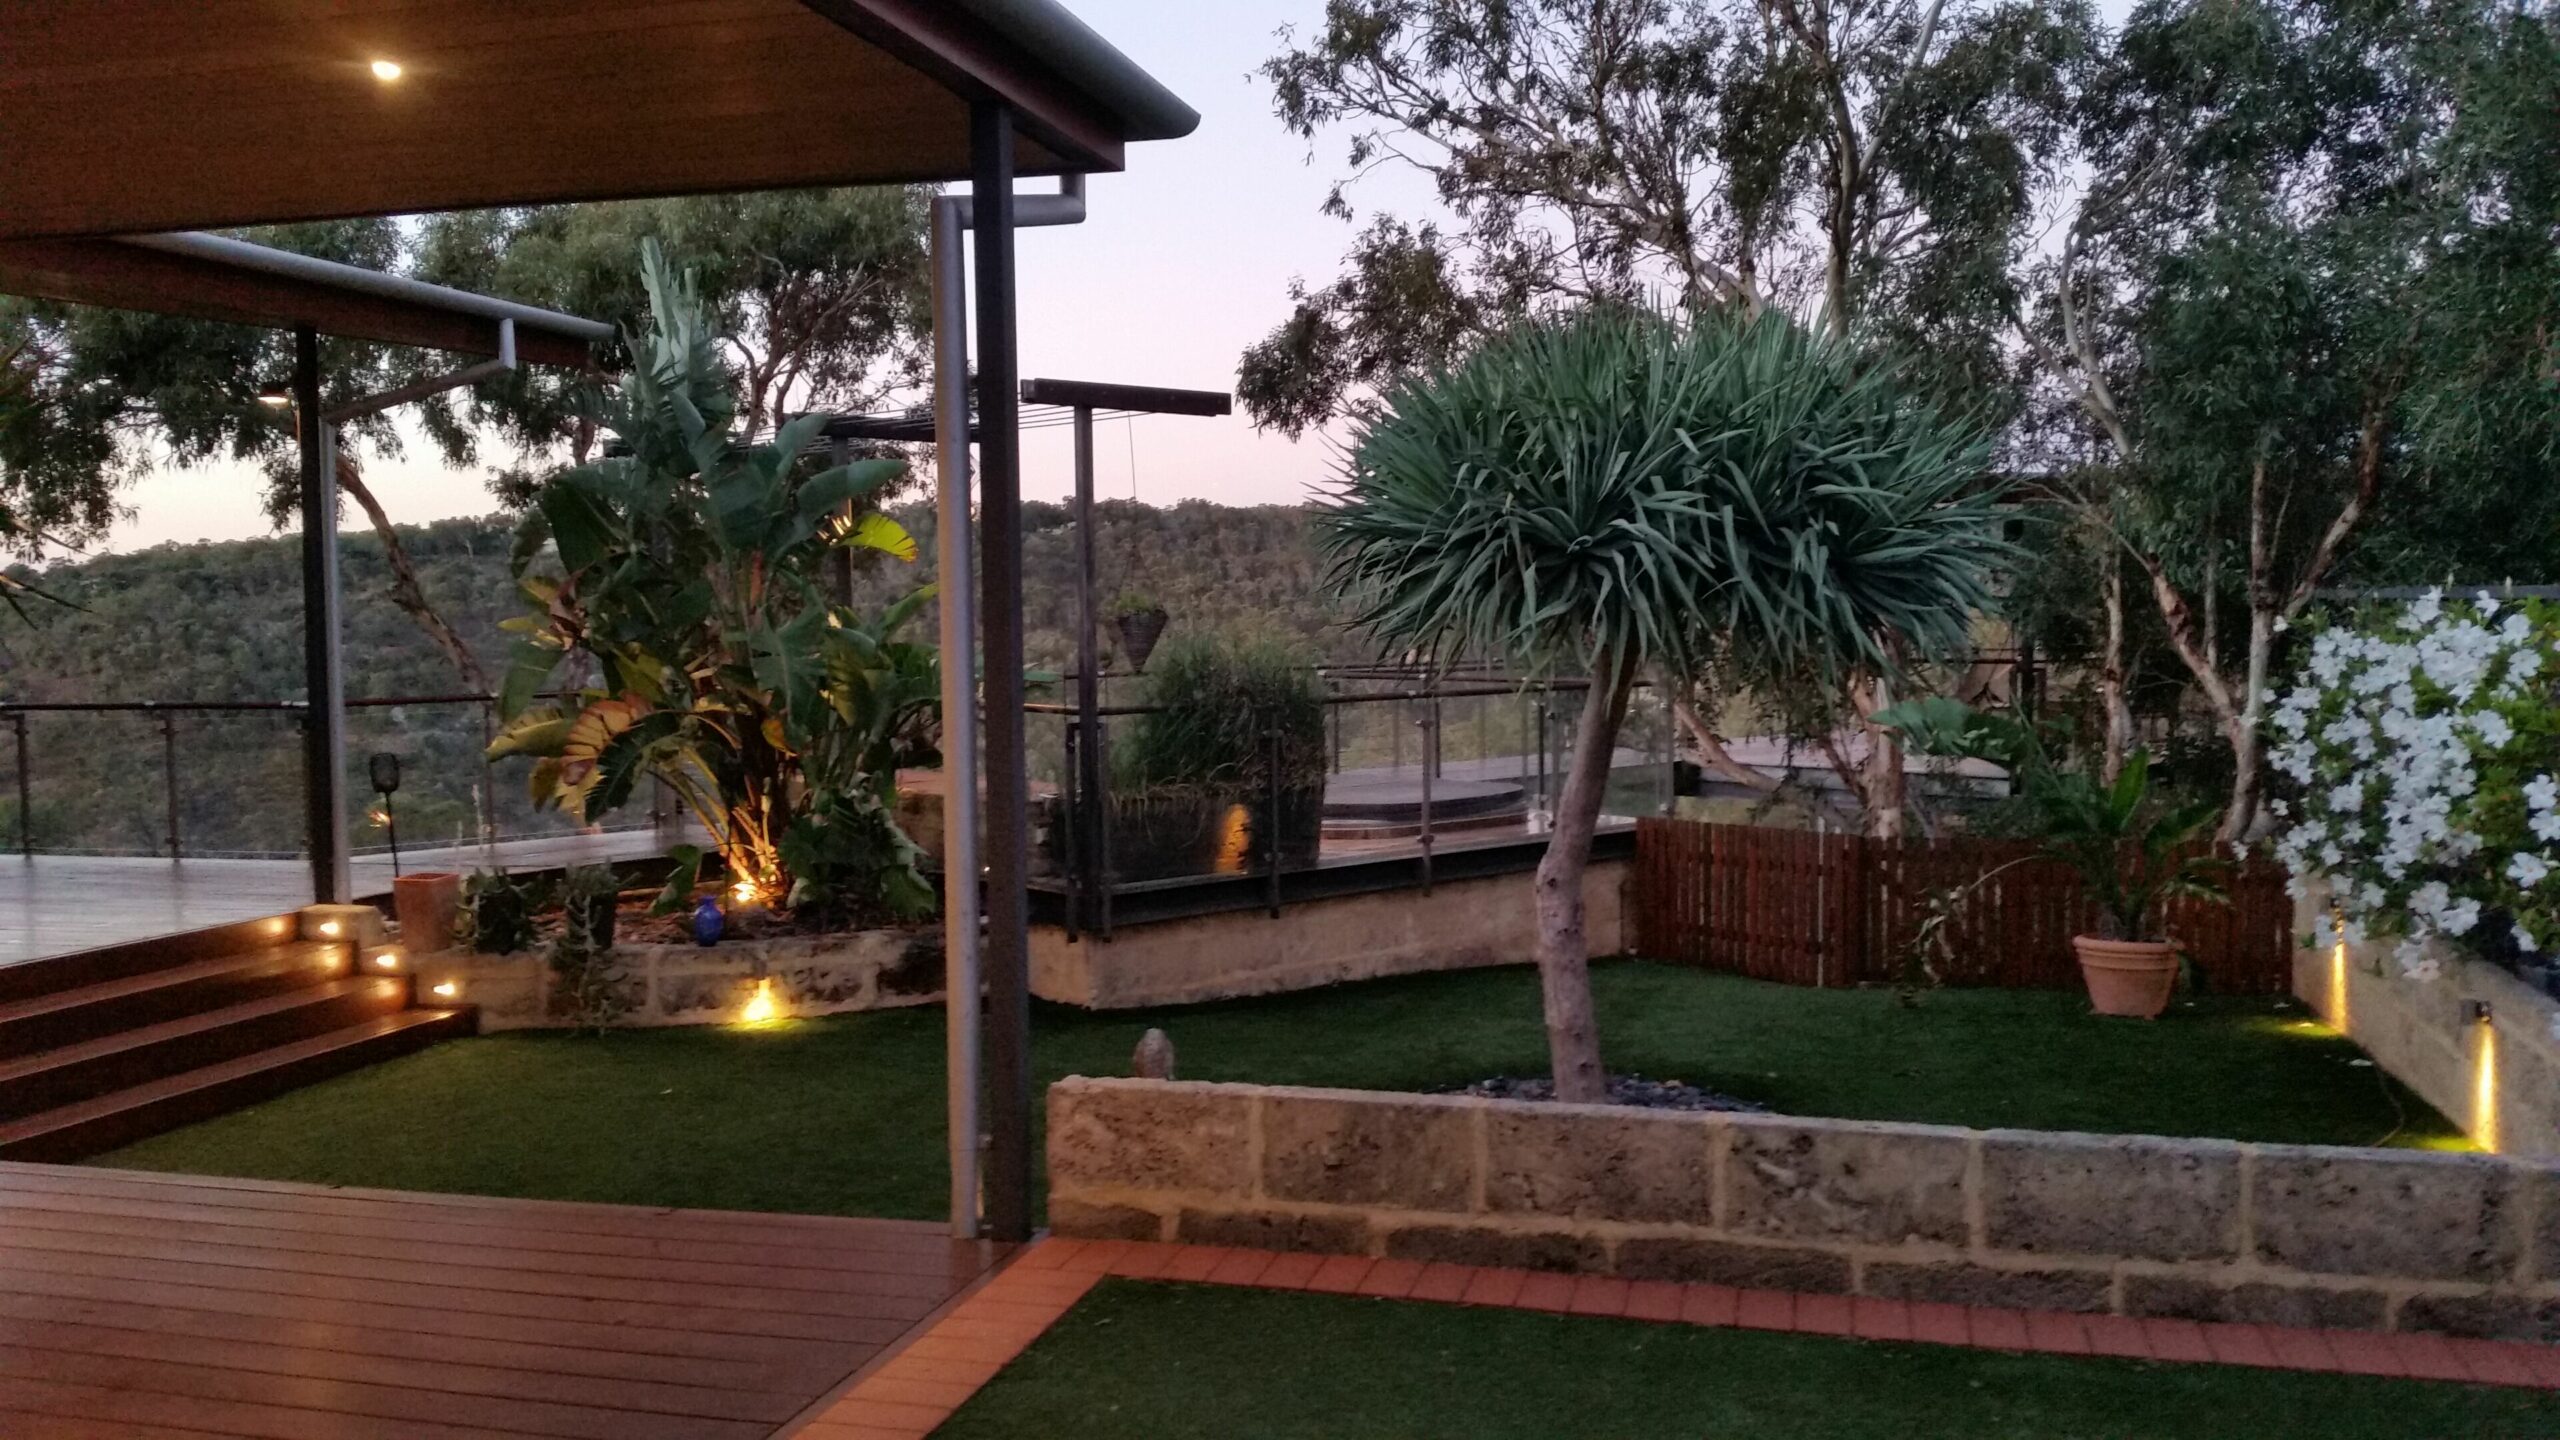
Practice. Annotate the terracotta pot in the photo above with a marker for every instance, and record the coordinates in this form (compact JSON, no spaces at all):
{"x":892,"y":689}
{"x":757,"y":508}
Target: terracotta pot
{"x":2127,"y":977}
{"x":425,"y":902}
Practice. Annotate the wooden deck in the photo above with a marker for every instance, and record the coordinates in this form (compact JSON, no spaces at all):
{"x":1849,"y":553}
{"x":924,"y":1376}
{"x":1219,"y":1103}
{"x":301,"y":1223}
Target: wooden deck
{"x":57,"y":904}
{"x":149,"y":1306}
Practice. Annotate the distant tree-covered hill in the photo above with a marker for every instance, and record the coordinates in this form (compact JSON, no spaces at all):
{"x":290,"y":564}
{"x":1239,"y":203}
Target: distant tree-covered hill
{"x":221,"y":621}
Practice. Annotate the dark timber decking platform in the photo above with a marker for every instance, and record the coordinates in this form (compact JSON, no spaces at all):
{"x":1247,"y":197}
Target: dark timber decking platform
{"x":150,"y":1306}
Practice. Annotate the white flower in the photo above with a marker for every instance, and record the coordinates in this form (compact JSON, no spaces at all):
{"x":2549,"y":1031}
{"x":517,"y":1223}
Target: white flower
{"x":2462,"y":917}
{"x":2526,"y":943}
{"x":2386,"y":732}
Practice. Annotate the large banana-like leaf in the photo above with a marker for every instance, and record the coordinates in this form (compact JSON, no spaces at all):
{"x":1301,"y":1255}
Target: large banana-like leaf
{"x":529,"y":665}
{"x":788,"y":666}
{"x":875,"y":531}
{"x":626,"y":756}
{"x":592,"y":733}
{"x":540,"y":732}
{"x":829,"y":491}
{"x":580,"y":525}
{"x":594,"y":729}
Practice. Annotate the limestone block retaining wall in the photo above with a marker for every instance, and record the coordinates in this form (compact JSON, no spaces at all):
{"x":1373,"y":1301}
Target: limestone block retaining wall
{"x":698,"y":985}
{"x":2135,"y":1225}
{"x":2499,"y":1079}
{"x":1461,"y":924}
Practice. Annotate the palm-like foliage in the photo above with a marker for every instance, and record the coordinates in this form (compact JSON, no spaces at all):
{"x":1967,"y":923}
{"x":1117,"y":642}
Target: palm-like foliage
{"x":2131,"y":852}
{"x":690,"y":576}
{"x":1623,"y":485}
{"x":1622,"y":490}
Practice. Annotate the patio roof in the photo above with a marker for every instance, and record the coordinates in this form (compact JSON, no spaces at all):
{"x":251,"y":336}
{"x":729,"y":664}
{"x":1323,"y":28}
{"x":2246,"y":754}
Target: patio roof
{"x":213,"y":277}
{"x":146,"y":115}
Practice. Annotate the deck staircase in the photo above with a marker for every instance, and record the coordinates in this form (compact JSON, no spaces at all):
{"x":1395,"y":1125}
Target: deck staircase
{"x":107,"y":1046}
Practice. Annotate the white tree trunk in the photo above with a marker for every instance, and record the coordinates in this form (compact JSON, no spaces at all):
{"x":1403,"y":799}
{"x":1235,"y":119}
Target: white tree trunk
{"x":1564,"y":949}
{"x":2111,"y":669}
{"x":1880,"y":779}
{"x":2246,"y":730}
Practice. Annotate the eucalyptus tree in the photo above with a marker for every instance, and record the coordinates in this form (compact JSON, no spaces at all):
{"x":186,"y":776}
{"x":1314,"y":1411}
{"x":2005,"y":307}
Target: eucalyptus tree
{"x":104,"y":396}
{"x":1623,"y":490}
{"x":2309,"y":301}
{"x":1867,"y":167}
{"x":1864,"y":165}
{"x":819,"y":299}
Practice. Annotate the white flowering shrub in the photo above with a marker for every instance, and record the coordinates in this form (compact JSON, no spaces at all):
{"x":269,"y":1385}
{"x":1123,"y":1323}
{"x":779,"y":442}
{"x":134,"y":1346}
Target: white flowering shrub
{"x":2423,"y":747}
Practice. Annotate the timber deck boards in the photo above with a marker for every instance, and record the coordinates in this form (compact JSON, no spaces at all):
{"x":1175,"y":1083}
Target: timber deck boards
{"x":142,"y":1304}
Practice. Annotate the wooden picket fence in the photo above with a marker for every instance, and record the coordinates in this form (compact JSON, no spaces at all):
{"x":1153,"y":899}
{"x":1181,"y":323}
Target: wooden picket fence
{"x":1838,"y":910}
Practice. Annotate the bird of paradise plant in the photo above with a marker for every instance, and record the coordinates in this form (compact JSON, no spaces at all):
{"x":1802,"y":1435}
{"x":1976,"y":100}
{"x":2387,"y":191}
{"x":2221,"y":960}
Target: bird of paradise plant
{"x":690,"y":566}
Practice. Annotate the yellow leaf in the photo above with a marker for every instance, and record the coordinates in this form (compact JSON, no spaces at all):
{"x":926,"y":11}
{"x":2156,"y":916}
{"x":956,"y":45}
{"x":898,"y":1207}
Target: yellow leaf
{"x":875,"y":531}
{"x":593,"y":731}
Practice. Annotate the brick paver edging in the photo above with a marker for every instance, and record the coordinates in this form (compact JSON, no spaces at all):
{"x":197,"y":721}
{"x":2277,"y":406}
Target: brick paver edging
{"x":924,"y":1383}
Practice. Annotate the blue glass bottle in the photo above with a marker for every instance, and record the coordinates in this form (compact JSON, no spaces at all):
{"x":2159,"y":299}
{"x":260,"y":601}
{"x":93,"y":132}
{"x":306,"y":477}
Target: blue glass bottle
{"x":708,"y":922}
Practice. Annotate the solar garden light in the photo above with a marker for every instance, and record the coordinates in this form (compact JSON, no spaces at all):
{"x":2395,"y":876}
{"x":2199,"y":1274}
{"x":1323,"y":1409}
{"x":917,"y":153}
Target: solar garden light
{"x":385,"y":770}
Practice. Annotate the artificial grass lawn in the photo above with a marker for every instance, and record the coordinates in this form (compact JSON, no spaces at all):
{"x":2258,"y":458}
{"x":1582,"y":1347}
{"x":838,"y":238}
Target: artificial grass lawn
{"x":844,"y":1115}
{"x":1168,"y":1361}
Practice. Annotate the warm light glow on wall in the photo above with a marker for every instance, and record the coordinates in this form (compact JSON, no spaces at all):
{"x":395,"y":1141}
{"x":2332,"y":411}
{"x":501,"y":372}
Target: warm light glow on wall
{"x":386,"y":70}
{"x":387,"y":960}
{"x":2338,"y":986}
{"x":448,"y":990}
{"x":2484,"y":1090}
{"x":1235,"y":840}
{"x":761,"y":1006}
{"x":329,"y":929}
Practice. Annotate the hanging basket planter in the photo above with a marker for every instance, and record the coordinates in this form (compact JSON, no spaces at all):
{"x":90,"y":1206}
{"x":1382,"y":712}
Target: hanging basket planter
{"x":1139,"y":631}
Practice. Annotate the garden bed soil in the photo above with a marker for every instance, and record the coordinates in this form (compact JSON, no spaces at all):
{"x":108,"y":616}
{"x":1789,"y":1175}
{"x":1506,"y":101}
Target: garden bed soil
{"x":636,"y":923}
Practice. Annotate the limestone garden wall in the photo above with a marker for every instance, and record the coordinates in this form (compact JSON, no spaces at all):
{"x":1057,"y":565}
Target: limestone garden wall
{"x":2462,"y":1244}
{"x":788,"y":978}
{"x":2474,"y":1041}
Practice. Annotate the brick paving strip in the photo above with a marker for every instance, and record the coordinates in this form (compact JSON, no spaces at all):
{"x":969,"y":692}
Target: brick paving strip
{"x":920,"y":1386}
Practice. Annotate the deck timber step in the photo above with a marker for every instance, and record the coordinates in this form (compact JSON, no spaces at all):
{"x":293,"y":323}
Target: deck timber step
{"x":51,"y":974}
{"x":117,"y":1117}
{"x":71,"y":1073}
{"x":89,"y":1012}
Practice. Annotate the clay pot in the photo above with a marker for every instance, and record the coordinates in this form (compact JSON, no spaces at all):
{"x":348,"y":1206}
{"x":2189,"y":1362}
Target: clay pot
{"x":2127,"y":977}
{"x":425,"y":902}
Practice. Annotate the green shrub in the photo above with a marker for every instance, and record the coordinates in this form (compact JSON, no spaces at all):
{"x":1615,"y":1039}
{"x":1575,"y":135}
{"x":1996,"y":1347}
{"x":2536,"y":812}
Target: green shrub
{"x":1217,"y":699}
{"x":497,"y":910}
{"x":589,"y":984}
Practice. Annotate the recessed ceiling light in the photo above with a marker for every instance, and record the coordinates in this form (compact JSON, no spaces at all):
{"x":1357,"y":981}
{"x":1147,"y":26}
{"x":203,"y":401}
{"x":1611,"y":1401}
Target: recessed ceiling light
{"x":386,"y":69}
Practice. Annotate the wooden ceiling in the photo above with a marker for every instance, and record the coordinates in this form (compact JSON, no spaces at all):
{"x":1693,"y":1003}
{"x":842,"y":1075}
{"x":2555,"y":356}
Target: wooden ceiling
{"x":122,"y":116}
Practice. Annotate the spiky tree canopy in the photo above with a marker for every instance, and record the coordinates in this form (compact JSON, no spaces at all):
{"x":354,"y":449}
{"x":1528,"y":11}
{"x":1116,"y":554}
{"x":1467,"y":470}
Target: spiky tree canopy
{"x":1621,"y":485}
